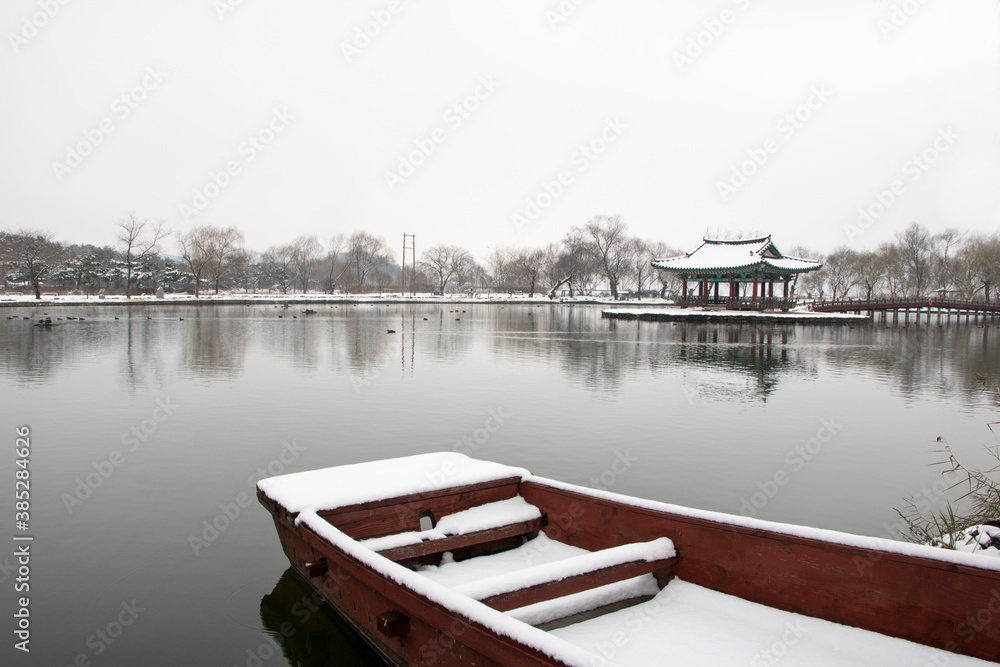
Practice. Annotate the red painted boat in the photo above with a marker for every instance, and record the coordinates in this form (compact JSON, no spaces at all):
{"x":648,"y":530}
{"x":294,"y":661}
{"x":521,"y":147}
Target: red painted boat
{"x":439,"y":559}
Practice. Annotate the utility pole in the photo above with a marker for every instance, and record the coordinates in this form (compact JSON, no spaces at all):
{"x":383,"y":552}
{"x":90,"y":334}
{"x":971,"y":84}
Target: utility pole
{"x":412,"y":247}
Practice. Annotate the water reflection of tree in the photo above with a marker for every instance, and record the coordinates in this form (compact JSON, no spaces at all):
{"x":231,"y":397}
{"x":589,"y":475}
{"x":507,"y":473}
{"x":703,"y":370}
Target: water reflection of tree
{"x":309,"y":632}
{"x":741,"y":362}
{"x":213,"y":342}
{"x":145,"y":340}
{"x":761,"y":355}
{"x":920,"y":357}
{"x":33,"y":353}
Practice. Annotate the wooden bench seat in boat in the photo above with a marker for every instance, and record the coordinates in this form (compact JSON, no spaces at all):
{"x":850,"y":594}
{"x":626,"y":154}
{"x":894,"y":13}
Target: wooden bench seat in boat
{"x":469,"y":529}
{"x":574,"y":575}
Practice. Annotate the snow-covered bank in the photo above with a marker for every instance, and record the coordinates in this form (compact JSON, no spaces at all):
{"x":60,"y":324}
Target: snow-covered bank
{"x":701,"y":315}
{"x":239,"y":298}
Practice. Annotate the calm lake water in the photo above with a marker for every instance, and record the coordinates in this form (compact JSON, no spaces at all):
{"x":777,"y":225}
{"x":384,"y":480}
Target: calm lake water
{"x":148,"y":422}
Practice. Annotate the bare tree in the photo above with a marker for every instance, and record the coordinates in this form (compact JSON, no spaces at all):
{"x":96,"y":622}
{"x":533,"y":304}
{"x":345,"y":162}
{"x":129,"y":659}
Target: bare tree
{"x":240,"y":262}
{"x":366,"y":253}
{"x":211,"y":253}
{"x":944,"y":246}
{"x":570,"y":263}
{"x":336,"y":261}
{"x":277,"y":266}
{"x":610,"y":246}
{"x":138,"y":240}
{"x":529,"y":263}
{"x":914,"y":244}
{"x":445,"y":262}
{"x":813,"y":282}
{"x":869,"y":268}
{"x":306,"y":251}
{"x":667,"y":280}
{"x":642,"y":269}
{"x":31,"y":254}
{"x":839,"y":271}
{"x":228,"y":248}
{"x":197,"y":253}
{"x":896,"y":278}
{"x":502,"y":269}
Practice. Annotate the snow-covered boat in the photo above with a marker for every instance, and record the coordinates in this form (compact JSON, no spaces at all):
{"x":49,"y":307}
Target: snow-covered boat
{"x":440,"y":559}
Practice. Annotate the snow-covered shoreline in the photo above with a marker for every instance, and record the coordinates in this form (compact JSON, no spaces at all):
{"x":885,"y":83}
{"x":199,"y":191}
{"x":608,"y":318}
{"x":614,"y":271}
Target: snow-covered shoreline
{"x":27,"y":300}
{"x":702,"y":315}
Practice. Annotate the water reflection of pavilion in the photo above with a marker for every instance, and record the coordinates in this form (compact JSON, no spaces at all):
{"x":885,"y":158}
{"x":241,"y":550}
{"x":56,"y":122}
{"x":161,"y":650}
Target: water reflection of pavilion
{"x":741,"y":362}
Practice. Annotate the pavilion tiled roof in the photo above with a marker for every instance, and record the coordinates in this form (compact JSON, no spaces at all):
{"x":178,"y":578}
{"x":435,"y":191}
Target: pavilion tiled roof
{"x":742,"y":255}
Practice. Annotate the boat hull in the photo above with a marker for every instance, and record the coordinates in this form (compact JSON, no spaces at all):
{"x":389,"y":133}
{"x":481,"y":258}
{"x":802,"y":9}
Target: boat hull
{"x":915,"y":593}
{"x":436,"y":636}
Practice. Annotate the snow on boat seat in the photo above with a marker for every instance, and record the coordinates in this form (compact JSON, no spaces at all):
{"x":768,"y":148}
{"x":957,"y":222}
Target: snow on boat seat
{"x":573,"y":575}
{"x":479,"y":525}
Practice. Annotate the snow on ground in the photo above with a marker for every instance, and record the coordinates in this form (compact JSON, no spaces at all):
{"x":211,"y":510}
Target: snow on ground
{"x":700,"y":313}
{"x":51,"y":299}
{"x":693,"y":626}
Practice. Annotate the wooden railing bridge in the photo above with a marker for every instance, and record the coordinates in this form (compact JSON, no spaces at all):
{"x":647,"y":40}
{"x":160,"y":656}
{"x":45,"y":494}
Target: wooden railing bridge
{"x":917,"y":305}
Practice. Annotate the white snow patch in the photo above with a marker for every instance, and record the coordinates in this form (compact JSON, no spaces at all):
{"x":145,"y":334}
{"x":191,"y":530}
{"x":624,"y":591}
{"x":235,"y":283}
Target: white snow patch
{"x":538,"y":551}
{"x":694,"y":626}
{"x":749,"y":314}
{"x":657,"y":549}
{"x":489,"y":515}
{"x":330,"y":488}
{"x":482,"y":517}
{"x":584,"y":601}
{"x":980,"y":539}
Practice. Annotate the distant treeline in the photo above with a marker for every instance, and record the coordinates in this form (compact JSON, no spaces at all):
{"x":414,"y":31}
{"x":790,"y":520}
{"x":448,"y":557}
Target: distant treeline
{"x":600,"y":255}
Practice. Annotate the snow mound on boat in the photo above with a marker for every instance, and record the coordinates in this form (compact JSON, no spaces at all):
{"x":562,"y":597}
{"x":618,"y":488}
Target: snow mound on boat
{"x":340,"y":486}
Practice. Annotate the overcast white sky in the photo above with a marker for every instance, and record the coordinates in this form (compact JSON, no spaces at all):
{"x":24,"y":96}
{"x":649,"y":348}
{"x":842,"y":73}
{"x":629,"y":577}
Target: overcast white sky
{"x":887,"y":81}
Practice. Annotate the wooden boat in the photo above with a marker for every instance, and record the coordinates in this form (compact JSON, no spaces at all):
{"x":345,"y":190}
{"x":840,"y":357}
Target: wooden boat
{"x":440,"y":559}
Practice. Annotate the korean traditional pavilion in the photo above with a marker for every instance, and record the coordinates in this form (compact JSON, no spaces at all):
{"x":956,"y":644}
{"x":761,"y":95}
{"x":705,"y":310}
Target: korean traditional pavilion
{"x":746,"y":270}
